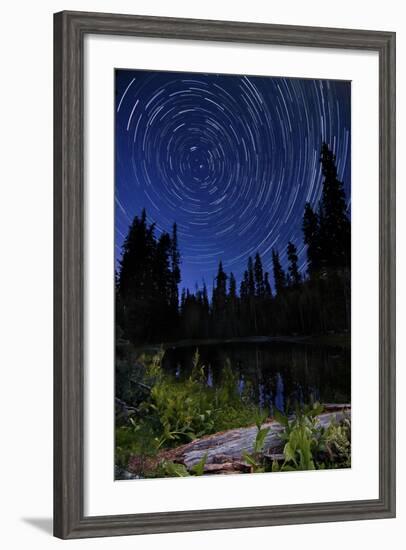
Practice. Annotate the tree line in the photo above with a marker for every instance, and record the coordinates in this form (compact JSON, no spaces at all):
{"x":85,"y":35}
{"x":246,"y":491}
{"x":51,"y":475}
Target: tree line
{"x":150,"y":310}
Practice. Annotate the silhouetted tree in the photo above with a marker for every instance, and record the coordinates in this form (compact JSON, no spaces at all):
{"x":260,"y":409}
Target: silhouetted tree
{"x":278,"y":273}
{"x":244,"y":286}
{"x":219,"y":300}
{"x":267,"y":286}
{"x":259,"y":276}
{"x":311,"y":233}
{"x":333,"y":221}
{"x":232,"y":290}
{"x":146,"y":288}
{"x":205,"y":297}
{"x":148,"y":277}
{"x":175,"y":268}
{"x":136,"y":284}
{"x":162,"y":272}
{"x":183,"y":299}
{"x":293,"y":270}
{"x":251,"y":278}
{"x":232,"y":306}
{"x":327,"y":232}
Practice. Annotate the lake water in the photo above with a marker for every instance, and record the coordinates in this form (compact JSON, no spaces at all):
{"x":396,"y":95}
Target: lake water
{"x":278,"y":373}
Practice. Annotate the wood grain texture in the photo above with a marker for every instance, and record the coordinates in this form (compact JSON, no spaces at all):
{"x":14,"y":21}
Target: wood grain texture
{"x":69,"y":30}
{"x":228,"y":447}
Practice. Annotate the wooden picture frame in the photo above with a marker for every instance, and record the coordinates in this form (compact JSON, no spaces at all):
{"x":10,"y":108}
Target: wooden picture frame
{"x":70,"y":29}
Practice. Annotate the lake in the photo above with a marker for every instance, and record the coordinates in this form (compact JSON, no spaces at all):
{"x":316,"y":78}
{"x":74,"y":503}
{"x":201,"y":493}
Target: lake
{"x":277,"y":374}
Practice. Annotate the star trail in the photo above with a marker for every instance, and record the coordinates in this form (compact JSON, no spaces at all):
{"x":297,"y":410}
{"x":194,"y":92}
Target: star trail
{"x":231,"y":159}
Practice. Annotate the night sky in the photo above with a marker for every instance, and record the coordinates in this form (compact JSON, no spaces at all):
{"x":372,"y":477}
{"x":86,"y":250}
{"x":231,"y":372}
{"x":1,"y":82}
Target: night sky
{"x":231,"y":159}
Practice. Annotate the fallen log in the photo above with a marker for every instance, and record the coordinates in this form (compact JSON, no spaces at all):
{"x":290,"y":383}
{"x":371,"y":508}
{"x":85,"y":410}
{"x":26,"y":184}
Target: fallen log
{"x":224,"y":450}
{"x":227,"y":468}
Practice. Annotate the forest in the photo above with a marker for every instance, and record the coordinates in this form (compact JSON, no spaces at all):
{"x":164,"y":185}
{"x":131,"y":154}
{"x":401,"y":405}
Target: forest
{"x":151,"y":310}
{"x":229,"y":403}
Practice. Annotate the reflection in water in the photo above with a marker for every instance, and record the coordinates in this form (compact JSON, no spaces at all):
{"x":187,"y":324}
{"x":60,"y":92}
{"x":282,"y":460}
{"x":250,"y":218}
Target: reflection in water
{"x":209,"y":376}
{"x":241,"y":385}
{"x":275,"y":374}
{"x":279,"y":400}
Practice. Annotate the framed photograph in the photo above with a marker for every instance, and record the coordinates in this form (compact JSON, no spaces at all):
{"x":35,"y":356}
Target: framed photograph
{"x":224,"y":275}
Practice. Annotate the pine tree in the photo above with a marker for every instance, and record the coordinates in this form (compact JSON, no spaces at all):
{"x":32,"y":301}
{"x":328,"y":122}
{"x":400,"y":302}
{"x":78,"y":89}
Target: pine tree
{"x":232,"y":307}
{"x":312,"y":240}
{"x":219,"y":303}
{"x":278,"y":273}
{"x":136,"y":247}
{"x":251,"y":278}
{"x":205,"y":298}
{"x":293,"y":270}
{"x":205,"y":312}
{"x":163,"y":275}
{"x":267,"y":286}
{"x":175,"y":268}
{"x":136,"y":278}
{"x":327,"y":232}
{"x":183,"y":299}
{"x":333,"y":220}
{"x":220,"y":290}
{"x":259,"y":276}
{"x":244,"y":286}
{"x":232,"y":289}
{"x":147,"y":282}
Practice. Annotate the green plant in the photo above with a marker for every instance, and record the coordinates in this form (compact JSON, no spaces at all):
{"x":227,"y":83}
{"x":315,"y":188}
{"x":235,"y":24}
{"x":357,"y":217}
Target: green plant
{"x":337,"y":444}
{"x":309,"y":446}
{"x":181,"y":411}
{"x":302,"y":438}
{"x":198,"y":469}
{"x":261,"y":432}
{"x":254,"y":459}
{"x":174,"y":412}
{"x":167,"y":468}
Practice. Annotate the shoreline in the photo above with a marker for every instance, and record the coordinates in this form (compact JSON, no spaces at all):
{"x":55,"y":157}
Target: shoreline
{"x":333,"y":340}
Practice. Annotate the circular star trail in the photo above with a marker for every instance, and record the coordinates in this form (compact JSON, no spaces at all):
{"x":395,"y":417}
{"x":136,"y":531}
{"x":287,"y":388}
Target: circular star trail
{"x":231,"y":159}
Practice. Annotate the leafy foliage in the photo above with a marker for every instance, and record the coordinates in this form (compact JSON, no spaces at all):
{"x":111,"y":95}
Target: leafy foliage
{"x":255,"y":459}
{"x":177,"y":412}
{"x":337,"y":444}
{"x":167,"y":468}
{"x":308,"y":446}
{"x":198,"y":469}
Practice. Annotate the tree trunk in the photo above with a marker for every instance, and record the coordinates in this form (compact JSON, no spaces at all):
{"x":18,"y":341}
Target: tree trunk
{"x":224,"y":450}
